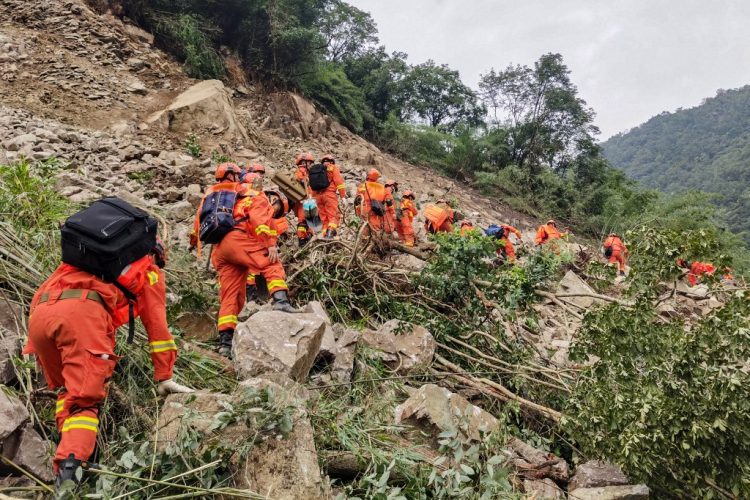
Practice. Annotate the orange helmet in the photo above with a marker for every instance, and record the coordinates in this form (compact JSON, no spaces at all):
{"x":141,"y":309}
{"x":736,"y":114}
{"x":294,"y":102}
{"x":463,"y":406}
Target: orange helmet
{"x":391,"y":183}
{"x":256,"y":168}
{"x":278,"y":201}
{"x":224,"y":169}
{"x":326,"y":158}
{"x":373,"y":174}
{"x":255,"y":180}
{"x":307,"y":156}
{"x":409,"y":194}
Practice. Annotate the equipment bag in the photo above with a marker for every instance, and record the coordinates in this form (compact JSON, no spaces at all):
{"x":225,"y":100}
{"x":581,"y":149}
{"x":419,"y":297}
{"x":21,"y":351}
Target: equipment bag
{"x":377,"y":207}
{"x":217,"y":216}
{"x":608,"y":252}
{"x":105,"y":238}
{"x":495,"y":231}
{"x":318,"y":176}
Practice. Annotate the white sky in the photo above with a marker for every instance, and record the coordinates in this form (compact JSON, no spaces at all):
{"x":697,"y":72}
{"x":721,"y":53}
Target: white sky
{"x":631,"y":59}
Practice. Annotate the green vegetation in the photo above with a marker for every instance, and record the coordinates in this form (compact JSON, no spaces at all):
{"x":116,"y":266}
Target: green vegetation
{"x":702,"y":148}
{"x":193,"y":146}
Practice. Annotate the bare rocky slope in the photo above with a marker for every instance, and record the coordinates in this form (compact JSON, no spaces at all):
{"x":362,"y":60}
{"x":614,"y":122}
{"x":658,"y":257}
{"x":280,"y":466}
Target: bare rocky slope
{"x":93,"y":91}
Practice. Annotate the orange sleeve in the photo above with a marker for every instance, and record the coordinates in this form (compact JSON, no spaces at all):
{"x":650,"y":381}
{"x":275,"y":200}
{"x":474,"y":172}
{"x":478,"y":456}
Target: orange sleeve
{"x":301,"y":174}
{"x":540,"y":235}
{"x":152,"y":308}
{"x":260,"y":221}
{"x":514,"y":231}
{"x":338,"y":180}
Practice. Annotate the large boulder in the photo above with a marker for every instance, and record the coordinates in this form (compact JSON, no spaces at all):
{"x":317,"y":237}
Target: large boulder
{"x":595,"y":473}
{"x":629,"y":492}
{"x":10,"y":338}
{"x":204,"y":105}
{"x":273,"y":341}
{"x":12,"y":413}
{"x":403,"y":347}
{"x":27,"y":449}
{"x":542,"y":489}
{"x":283,"y":467}
{"x":435,"y":409}
{"x":572,"y":283}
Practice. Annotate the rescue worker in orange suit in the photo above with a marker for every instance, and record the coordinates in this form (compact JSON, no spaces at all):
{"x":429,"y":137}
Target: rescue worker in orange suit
{"x":303,"y":161}
{"x":548,"y":232}
{"x":439,"y":217}
{"x":280,"y":207}
{"x":508,"y":249}
{"x":373,"y":202}
{"x":616,"y":251}
{"x":405,"y":217}
{"x":696,"y":270}
{"x":328,"y":204}
{"x":249,"y":248}
{"x":391,"y":188}
{"x":72,"y":326}
{"x":467,"y":228}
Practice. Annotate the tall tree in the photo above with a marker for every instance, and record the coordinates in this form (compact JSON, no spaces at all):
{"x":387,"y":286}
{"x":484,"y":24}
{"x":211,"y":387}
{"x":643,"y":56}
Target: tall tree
{"x":437,"y":94}
{"x":349,"y":32}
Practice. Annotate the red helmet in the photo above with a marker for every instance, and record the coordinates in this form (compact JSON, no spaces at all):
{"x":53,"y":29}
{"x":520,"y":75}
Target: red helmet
{"x":307,"y":156}
{"x":326,"y":158}
{"x":224,"y":169}
{"x":256,"y":168}
{"x":409,"y":194}
{"x":278,"y":201}
{"x":373,"y":174}
{"x":255,"y":180}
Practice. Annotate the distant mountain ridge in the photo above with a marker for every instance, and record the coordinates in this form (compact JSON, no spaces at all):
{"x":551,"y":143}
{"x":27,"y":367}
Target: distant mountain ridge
{"x":706,"y":148}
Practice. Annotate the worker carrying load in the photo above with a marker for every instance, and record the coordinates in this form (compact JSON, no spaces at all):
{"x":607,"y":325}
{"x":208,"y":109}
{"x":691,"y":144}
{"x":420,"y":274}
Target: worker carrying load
{"x":373,"y":202}
{"x":502,"y":234}
{"x":616,"y":252}
{"x":238,"y":221}
{"x":110,"y":274}
{"x":439,"y":217}
{"x":303,"y":162}
{"x":548,"y":232}
{"x":327,"y":186}
{"x":696,"y":270}
{"x":405,"y":217}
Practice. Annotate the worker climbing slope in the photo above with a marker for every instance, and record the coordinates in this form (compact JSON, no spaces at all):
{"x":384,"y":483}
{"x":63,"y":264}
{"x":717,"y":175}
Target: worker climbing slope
{"x":405,"y":218}
{"x":548,"y":232}
{"x":327,"y":186}
{"x":238,"y":220}
{"x":502,"y":232}
{"x":616,"y":252}
{"x":76,"y":311}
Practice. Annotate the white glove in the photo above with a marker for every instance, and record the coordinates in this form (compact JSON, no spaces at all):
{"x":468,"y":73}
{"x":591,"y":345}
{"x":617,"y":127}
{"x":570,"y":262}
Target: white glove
{"x":169,"y":386}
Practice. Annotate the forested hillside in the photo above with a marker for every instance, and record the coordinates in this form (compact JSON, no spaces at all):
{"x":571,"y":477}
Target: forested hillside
{"x":704,"y":148}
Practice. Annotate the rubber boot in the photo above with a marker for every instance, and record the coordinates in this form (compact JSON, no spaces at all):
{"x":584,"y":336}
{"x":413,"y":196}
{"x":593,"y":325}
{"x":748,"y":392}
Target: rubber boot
{"x":251,"y":293}
{"x":225,"y":342}
{"x":331,"y":234}
{"x":281,"y":302}
{"x":67,"y":470}
{"x":622,"y":273}
{"x":303,"y":241}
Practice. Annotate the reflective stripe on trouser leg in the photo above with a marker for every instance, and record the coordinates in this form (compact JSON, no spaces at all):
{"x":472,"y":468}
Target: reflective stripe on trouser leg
{"x":78,"y":435}
{"x":251,"y":279}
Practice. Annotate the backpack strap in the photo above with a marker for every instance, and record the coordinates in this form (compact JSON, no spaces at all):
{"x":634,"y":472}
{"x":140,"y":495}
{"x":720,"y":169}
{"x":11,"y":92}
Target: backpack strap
{"x":131,"y":310}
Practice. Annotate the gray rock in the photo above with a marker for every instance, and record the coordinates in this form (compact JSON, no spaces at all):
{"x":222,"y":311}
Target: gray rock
{"x":10,"y":338}
{"x":12,"y":413}
{"x":629,"y":492}
{"x":572,"y":283}
{"x":31,"y":452}
{"x":410,"y":350}
{"x":346,"y":347}
{"x":542,"y":489}
{"x":180,"y":211}
{"x":595,"y":473}
{"x":18,"y":142}
{"x":272,"y":341}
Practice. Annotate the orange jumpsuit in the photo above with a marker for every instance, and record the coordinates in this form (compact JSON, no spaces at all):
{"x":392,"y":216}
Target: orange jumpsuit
{"x":404,"y":226}
{"x":244,"y":251}
{"x":508,"y":249}
{"x":72,"y":326}
{"x":282,"y":226}
{"x":698,"y":269}
{"x":438,"y":218}
{"x":547,"y":233}
{"x":619,"y":251}
{"x":328,"y":204}
{"x":304,"y":231}
{"x":374,"y":191}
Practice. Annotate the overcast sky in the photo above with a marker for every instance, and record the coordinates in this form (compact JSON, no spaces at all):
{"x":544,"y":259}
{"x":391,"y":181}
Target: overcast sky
{"x":631,"y":59}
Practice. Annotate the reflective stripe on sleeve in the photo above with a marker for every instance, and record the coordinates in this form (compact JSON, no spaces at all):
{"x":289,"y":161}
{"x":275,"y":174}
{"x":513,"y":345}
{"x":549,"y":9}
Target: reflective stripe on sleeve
{"x":153,"y":277}
{"x":263,"y":229}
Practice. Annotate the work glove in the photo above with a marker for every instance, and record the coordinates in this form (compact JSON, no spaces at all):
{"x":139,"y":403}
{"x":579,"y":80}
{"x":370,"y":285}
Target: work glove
{"x":169,"y":386}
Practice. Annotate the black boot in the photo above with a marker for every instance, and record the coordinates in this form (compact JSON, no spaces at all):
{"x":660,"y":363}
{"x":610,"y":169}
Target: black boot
{"x":225,"y":342}
{"x":67,"y":470}
{"x":281,"y":302}
{"x":303,"y":241}
{"x":251,"y":292}
{"x":622,"y":273}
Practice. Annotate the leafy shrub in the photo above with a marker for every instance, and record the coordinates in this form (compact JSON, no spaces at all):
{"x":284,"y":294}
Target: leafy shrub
{"x":194,"y":46}
{"x":330,"y":87}
{"x":193,"y":146}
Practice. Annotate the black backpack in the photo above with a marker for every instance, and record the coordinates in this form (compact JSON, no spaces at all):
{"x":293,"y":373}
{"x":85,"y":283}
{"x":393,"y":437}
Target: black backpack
{"x":105,"y":238}
{"x":217,"y":216}
{"x":608,"y":252}
{"x":318,"y":176}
